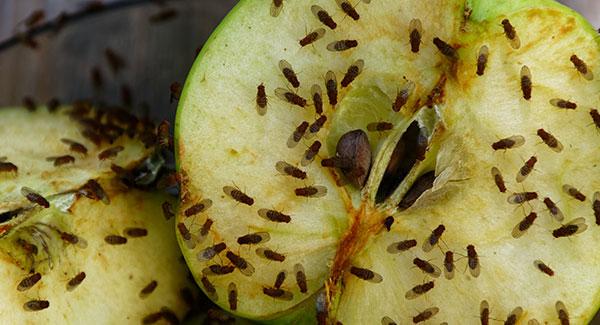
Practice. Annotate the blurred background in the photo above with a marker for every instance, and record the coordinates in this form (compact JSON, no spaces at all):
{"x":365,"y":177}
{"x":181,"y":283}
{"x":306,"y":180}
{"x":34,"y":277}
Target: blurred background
{"x":153,"y":42}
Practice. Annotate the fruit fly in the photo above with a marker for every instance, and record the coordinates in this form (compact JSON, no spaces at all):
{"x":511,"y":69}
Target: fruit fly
{"x":7,"y":167}
{"x":148,"y":289}
{"x":526,"y":83}
{"x":92,"y":190}
{"x":276,"y":7}
{"x":323,"y":16}
{"x":484,"y":312}
{"x":135,"y":232}
{"x":511,"y":34}
{"x":573,"y":192}
{"x":473,"y":261}
{"x":427,"y":267}
{"x":110,"y":152}
{"x":278,"y":293}
{"x":543,"y":267}
{"x":386,"y":320}
{"x":312,"y":37}
{"x":53,"y":104}
{"x":190,"y":240}
{"x":36,"y":305}
{"x":246,"y":268}
{"x":76,"y":281}
{"x":511,"y":142}
{"x":311,"y":153}
{"x":415,"y":33}
{"x":388,"y":222}
{"x":167,"y":209}
{"x":353,"y":71}
{"x":316,"y":126}
{"x":311,"y":191}
{"x":563,"y":314}
{"x":289,"y":170}
{"x":550,"y":140}
{"x":297,"y":135}
{"x":561,"y":103}
{"x":280,"y":279}
{"x":449,"y":265}
{"x":34,"y":18}
{"x":574,"y":227}
{"x":317,"y":97}
{"x":524,"y":225}
{"x":514,"y":315}
{"x":419,"y":290}
{"x":482,"y":59}
{"x":270,"y":254}
{"x":402,"y":96}
{"x":34,"y":197}
{"x":446,"y":49}
{"x":206,"y":227}
{"x":274,"y":216}
{"x":348,"y":9}
{"x":331,"y":87}
{"x":379,"y":126}
{"x":29,"y":103}
{"x":238,"y":195}
{"x":366,"y":274}
{"x":433,"y":238}
{"x":115,"y":61}
{"x":115,"y":240}
{"x":75,"y":146}
{"x":209,"y":253}
{"x":582,"y":67}
{"x":595,"y":117}
{"x":425,"y":315}
{"x":198,"y":208}
{"x":401,"y":246}
{"x":209,"y":288}
{"x":301,"y":278}
{"x":29,"y":282}
{"x":175,"y":90}
{"x":554,"y":210}
{"x":97,"y":78}
{"x":596,"y":207}
{"x":217,"y":269}
{"x":288,"y":73}
{"x":254,"y":238}
{"x":61,"y":160}
{"x":232,"y":295}
{"x":526,"y":169}
{"x":498,"y":179}
{"x":290,"y":97}
{"x":261,"y":100}
{"x":342,"y":45}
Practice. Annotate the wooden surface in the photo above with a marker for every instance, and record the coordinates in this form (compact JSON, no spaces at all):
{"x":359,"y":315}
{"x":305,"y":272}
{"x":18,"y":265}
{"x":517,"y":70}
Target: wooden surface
{"x":156,"y":55}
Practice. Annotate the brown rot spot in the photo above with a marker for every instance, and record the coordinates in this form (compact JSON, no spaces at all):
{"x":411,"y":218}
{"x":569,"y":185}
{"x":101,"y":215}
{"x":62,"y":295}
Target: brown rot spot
{"x":401,"y":246}
{"x":347,"y":8}
{"x":379,"y":126}
{"x":323,"y":16}
{"x":301,"y":278}
{"x":210,"y":252}
{"x":76,"y":281}
{"x":366,"y":274}
{"x":434,"y":238}
{"x":582,"y":67}
{"x":290,"y":97}
{"x":574,"y":227}
{"x":562,"y":103}
{"x":482,"y":59}
{"x":312,"y":37}
{"x":280,"y":279}
{"x":311,"y":191}
{"x":246,"y":268}
{"x":342,"y":45}
{"x":238,"y":195}
{"x":484,"y":312}
{"x":261,"y":99}
{"x":61,"y":160}
{"x":278,"y":293}
{"x":427,"y":267}
{"x":574,"y":193}
{"x":115,"y":240}
{"x":595,"y":117}
{"x":311,"y":153}
{"x":136,"y":232}
{"x":29,"y":282}
{"x":288,"y":73}
{"x":232,"y":296}
{"x":198,"y":208}
{"x":419,"y":290}
{"x":36,"y":305}
{"x":524,"y":225}
{"x":563,"y":314}
{"x":449,"y":265}
{"x":353,"y":71}
{"x":550,"y":140}
{"x":253,"y":239}
{"x":526,"y":83}
{"x":75,"y":146}
{"x":274,"y":216}
{"x":526,"y":169}
{"x":446,"y":49}
{"x":167,"y":209}
{"x":209,"y":287}
{"x":276,"y":7}
{"x":511,"y":34}
{"x":297,"y":134}
{"x":415,"y":33}
{"x":34,"y":197}
{"x":388,"y":222}
{"x":110,"y":152}
{"x":543,"y":267}
{"x":425,"y":315}
{"x":163,"y":15}
{"x":511,"y":142}
{"x":498,"y":179}
{"x":115,"y":61}
{"x":473,"y":261}
{"x":514,"y":316}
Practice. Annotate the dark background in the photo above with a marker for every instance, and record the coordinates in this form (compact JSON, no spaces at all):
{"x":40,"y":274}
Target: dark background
{"x":156,"y":54}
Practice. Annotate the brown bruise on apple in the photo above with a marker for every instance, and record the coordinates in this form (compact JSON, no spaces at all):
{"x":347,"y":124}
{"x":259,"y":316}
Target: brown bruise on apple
{"x":487,"y":127}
